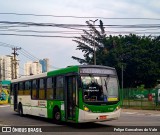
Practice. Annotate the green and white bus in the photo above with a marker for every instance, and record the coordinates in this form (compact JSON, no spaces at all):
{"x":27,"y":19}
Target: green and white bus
{"x":85,"y":93}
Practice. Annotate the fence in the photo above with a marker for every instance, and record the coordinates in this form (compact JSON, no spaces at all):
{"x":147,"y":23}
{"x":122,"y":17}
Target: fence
{"x":140,"y":99}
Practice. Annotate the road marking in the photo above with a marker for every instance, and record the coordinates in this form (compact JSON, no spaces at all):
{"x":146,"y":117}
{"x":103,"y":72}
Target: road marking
{"x":4,"y":105}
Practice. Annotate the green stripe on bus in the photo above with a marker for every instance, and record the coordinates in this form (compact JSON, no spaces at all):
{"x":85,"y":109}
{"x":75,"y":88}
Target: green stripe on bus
{"x":63,"y":71}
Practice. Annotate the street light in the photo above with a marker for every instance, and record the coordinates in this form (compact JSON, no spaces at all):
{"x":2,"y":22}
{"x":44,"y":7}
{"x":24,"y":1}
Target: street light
{"x":94,"y":42}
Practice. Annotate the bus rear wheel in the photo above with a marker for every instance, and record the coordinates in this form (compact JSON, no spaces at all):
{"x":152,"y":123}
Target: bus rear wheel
{"x":57,"y":115}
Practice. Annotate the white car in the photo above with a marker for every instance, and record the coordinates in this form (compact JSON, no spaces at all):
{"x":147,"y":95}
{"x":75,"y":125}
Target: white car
{"x":139,"y":96}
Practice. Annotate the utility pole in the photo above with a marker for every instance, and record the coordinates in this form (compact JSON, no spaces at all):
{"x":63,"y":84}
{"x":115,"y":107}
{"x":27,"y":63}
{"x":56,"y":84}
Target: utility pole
{"x":15,"y":49}
{"x":94,"y":48}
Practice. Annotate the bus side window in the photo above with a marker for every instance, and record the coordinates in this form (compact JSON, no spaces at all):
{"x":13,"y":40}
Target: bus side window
{"x":50,"y":88}
{"x":42,"y":88}
{"x":54,"y":87}
{"x":27,"y":88}
{"x":34,"y":89}
{"x":20,"y":88}
{"x":59,"y":88}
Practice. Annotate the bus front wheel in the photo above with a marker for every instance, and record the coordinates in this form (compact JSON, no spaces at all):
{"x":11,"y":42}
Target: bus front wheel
{"x":57,"y":115}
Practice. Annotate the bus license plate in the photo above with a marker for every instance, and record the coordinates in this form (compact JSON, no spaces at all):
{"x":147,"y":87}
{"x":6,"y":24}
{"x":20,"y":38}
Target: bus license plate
{"x":103,"y":117}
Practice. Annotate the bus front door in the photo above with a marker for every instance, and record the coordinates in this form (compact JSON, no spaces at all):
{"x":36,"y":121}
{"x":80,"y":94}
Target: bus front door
{"x":70,"y":97}
{"x":15,"y":92}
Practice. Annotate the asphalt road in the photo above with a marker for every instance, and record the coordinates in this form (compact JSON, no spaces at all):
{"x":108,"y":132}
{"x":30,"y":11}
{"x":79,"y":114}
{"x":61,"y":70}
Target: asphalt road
{"x":128,"y":118}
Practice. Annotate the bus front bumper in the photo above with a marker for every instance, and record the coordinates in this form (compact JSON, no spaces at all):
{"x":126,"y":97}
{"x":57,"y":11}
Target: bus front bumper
{"x":97,"y":117}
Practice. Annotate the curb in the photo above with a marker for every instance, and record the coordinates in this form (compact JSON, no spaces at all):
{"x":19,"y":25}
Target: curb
{"x":146,"y":112}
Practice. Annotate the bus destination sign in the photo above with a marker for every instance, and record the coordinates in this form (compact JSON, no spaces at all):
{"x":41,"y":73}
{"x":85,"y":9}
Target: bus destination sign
{"x":97,"y":71}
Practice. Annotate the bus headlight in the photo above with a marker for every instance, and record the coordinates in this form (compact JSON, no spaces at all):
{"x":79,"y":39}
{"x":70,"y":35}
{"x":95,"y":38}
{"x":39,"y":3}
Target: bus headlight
{"x":86,"y":109}
{"x":117,"y":108}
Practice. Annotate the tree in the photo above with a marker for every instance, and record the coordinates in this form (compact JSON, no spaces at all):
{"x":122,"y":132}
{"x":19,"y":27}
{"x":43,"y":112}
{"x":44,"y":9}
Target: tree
{"x":87,"y":41}
{"x":140,"y":55}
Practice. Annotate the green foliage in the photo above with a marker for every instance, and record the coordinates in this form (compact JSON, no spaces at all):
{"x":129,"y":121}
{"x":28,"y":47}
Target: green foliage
{"x":140,"y":55}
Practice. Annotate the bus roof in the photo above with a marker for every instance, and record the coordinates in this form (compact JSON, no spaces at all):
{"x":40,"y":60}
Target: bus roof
{"x":72,"y":69}
{"x":29,"y":77}
{"x":69,"y":69}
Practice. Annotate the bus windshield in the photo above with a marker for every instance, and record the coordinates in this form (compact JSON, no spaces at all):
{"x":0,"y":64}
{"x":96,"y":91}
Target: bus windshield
{"x":99,"y":89}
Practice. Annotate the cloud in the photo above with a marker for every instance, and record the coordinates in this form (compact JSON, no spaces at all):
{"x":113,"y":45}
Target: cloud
{"x":60,"y":50}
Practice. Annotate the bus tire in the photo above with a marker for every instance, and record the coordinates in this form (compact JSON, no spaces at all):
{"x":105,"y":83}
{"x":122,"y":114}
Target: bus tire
{"x":56,"y":115}
{"x":20,"y":109}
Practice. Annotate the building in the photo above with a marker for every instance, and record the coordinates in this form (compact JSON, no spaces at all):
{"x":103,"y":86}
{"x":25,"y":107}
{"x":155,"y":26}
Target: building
{"x":27,"y":68}
{"x":45,"y":65}
{"x":32,"y":68}
{"x":7,"y":68}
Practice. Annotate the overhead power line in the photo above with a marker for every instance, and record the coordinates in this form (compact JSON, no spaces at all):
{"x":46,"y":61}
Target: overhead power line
{"x":79,"y":25}
{"x":76,"y":27}
{"x":28,"y":53}
{"x":27,"y":56}
{"x":40,"y":31}
{"x":24,"y":53}
{"x":141,"y":31}
{"x":6,"y":45}
{"x":73,"y":27}
{"x":136,"y":31}
{"x":36,"y":35}
{"x":27,"y":24}
{"x":80,"y":17}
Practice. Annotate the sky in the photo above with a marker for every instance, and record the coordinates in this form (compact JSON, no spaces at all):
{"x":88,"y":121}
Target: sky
{"x":60,"y":50}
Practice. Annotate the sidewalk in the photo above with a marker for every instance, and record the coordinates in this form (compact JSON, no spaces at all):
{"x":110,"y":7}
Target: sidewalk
{"x":4,"y":105}
{"x":146,"y":112}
